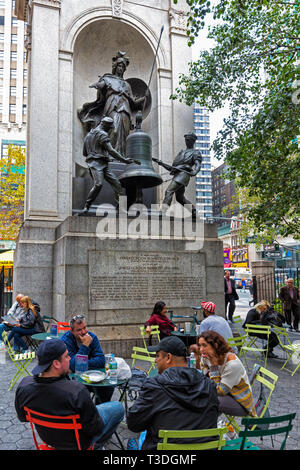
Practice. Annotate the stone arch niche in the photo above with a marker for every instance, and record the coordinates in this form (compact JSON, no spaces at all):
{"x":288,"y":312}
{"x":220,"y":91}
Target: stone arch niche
{"x":94,"y":48}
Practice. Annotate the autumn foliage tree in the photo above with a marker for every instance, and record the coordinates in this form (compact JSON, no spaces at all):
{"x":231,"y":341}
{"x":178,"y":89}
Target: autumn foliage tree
{"x":12,"y":188}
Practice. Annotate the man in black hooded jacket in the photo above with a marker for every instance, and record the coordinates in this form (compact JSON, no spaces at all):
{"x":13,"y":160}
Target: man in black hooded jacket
{"x":178,"y":398}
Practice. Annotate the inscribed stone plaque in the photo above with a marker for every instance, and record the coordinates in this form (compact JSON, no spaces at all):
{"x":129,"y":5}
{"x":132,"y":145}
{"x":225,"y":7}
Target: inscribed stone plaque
{"x":125,"y":279}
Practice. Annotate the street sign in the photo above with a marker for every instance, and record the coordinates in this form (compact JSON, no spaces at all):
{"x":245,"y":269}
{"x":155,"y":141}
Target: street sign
{"x":272,"y":254}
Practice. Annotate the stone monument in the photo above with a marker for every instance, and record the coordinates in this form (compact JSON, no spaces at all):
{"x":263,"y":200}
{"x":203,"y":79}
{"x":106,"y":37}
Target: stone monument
{"x":113,"y":266}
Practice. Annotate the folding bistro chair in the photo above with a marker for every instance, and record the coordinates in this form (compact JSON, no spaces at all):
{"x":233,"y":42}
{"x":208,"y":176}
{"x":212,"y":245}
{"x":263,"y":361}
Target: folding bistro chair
{"x":243,"y":443}
{"x":63,"y":326}
{"x":251,"y":342}
{"x":70,"y":422}
{"x":154,"y":332}
{"x":48,"y":321}
{"x":21,"y":361}
{"x":237,"y":324}
{"x":238,"y":342}
{"x":266,"y":379}
{"x":143,"y":355}
{"x":216,"y":443}
{"x":289,"y":348}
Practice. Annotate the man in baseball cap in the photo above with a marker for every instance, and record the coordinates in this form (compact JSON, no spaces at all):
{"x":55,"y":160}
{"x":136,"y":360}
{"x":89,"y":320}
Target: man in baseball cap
{"x":214,"y":322}
{"x":50,"y":391}
{"x":48,"y":352}
{"x":178,"y":397}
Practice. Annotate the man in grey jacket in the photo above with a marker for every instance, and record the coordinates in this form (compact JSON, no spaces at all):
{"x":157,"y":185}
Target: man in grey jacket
{"x":179,"y":397}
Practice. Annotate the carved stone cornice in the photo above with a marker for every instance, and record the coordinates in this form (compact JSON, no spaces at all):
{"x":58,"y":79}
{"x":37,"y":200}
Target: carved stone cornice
{"x":178,"y":21}
{"x":47,"y":3}
{"x":117,"y":7}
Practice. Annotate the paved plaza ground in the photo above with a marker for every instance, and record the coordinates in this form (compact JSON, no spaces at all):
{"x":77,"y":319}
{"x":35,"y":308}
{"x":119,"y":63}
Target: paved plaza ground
{"x":285,"y":399}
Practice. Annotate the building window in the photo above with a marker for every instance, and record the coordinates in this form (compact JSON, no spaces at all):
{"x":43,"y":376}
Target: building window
{"x":2,"y":37}
{"x":14,"y":38}
{"x":13,"y":73}
{"x":13,"y":91}
{"x":12,"y":109}
{"x":13,"y":55}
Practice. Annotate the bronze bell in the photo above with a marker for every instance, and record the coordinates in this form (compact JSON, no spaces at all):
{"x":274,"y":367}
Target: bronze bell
{"x":139,"y":147}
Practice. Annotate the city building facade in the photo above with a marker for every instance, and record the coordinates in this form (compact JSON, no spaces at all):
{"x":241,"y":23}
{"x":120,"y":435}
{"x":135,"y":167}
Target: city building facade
{"x":13,"y":78}
{"x":203,"y":179}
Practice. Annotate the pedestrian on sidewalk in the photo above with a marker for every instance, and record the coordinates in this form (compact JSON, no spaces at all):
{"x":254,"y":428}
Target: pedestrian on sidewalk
{"x":290,"y":297}
{"x":230,"y":296}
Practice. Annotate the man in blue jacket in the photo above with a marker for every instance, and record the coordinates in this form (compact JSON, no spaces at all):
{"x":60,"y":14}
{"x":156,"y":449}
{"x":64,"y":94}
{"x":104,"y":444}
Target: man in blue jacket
{"x":81,"y":341}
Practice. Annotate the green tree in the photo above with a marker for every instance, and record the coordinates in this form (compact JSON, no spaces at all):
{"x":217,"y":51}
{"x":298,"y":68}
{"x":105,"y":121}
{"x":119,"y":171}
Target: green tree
{"x":12,"y":188}
{"x":253,"y":68}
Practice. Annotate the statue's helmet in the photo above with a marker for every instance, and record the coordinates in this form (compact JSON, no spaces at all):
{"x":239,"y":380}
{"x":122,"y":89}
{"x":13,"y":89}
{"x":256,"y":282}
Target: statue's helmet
{"x":107,"y":121}
{"x":191,"y":134}
{"x":120,"y":58}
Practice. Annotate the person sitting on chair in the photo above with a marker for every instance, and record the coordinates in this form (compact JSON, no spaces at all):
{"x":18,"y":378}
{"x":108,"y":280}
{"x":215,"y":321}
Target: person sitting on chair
{"x":227,"y":371}
{"x":159,"y":317}
{"x":178,"y":397}
{"x":15,"y":312}
{"x":258,"y":315}
{"x":79,"y":340}
{"x":29,"y":323}
{"x":50,"y":391}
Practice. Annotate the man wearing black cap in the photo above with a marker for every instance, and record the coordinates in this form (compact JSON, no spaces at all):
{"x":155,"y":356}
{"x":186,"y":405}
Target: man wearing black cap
{"x":50,"y":391}
{"x":178,"y":398}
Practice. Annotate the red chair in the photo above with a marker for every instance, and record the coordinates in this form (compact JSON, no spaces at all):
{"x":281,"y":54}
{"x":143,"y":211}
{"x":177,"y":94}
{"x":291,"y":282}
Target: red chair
{"x":63,"y":326}
{"x":58,"y":422}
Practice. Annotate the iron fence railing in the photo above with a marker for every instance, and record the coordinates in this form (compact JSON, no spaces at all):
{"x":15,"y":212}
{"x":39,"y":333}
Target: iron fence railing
{"x":267,"y":287}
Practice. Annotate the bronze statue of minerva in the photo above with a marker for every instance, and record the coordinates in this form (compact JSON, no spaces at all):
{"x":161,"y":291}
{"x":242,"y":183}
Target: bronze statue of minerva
{"x":96,"y":149}
{"x":114,"y":99}
{"x":186,"y":164}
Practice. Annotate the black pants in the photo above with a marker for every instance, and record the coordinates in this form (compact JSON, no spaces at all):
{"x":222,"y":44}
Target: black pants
{"x":229,"y":299}
{"x":273,"y":340}
{"x":288,"y":316}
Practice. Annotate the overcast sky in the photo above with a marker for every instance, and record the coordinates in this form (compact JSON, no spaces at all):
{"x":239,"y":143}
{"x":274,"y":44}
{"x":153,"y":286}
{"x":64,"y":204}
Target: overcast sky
{"x":216,"y":118}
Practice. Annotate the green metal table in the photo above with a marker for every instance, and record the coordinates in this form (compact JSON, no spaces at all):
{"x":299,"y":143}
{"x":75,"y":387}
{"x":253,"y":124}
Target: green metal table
{"x":43,"y":336}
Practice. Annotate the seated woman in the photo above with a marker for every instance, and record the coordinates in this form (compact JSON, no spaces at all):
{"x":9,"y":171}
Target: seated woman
{"x":260,"y":314}
{"x":29,"y":324}
{"x":159,"y":317}
{"x":223,"y":367}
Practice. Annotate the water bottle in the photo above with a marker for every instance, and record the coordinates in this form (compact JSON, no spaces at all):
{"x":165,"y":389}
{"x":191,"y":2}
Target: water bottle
{"x":113,"y":370}
{"x":192,"y":360}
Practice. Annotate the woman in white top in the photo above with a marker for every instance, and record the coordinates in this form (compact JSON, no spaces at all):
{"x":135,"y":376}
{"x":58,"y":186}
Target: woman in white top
{"x":218,"y":361}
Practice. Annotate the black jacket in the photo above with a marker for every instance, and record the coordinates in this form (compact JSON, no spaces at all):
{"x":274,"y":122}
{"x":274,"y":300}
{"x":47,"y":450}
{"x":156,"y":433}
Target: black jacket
{"x":267,"y":317}
{"x":252,"y":317}
{"x":234,"y":292}
{"x":179,"y":398}
{"x":59,"y":396}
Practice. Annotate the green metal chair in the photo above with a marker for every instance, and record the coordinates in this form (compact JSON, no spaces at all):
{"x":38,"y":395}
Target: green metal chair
{"x":289,"y":348}
{"x":216,"y":434}
{"x":237,"y":341}
{"x":21,"y":361}
{"x":251,"y":342}
{"x":250,"y":431}
{"x":143,"y":355}
{"x":154,"y":332}
{"x":266,"y":379}
{"x":47,"y":320}
{"x":238,"y":322}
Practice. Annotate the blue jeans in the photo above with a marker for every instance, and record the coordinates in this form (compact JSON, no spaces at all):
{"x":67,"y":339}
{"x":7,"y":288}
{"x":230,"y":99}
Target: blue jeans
{"x":4,"y":327}
{"x":16,"y":334}
{"x":111,"y":413}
